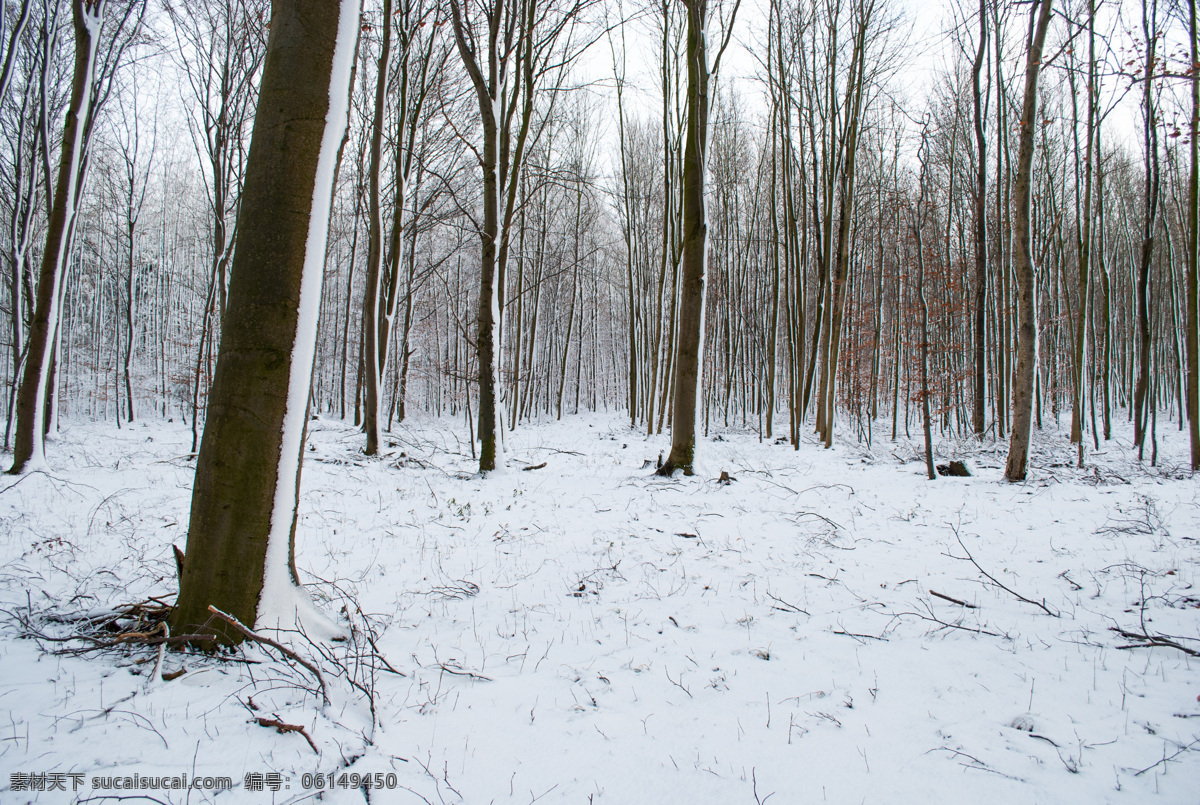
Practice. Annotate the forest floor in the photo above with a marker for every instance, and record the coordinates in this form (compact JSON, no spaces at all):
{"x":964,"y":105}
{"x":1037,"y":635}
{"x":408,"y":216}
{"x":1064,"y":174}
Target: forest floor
{"x":828,"y":626}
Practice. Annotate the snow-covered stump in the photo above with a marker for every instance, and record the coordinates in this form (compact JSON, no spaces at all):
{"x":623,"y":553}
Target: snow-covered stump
{"x":239,"y":554}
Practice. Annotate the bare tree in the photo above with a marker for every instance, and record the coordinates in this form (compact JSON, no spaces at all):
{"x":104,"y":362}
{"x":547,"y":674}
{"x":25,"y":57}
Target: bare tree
{"x":1023,"y":379}
{"x":220,"y":48}
{"x":918,"y":227}
{"x":980,"y":99}
{"x":1084,"y":247}
{"x":27,"y":180}
{"x":240,"y":540}
{"x":135,"y":163}
{"x":690,"y":340}
{"x":98,"y":54}
{"x":14,"y":40}
{"x":845,"y":146}
{"x":1150,"y":123}
{"x":418,"y":65}
{"x":508,"y":48}
{"x":1193,"y":247}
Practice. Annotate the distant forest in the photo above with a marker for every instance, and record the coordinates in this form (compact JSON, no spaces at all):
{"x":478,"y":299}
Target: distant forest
{"x":550,"y":206}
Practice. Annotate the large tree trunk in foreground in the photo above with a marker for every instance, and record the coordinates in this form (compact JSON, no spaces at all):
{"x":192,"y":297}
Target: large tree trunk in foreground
{"x":1022,"y":395}
{"x":239,"y":552}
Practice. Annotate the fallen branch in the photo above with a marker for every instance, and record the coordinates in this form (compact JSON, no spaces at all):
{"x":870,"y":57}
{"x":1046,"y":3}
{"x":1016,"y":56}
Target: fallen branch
{"x":534,"y":467}
{"x":1074,"y":586}
{"x":952,"y":600}
{"x":155,"y":636}
{"x":787,"y":606}
{"x":1164,"y":760}
{"x":820,"y":517}
{"x":931,"y":618}
{"x":266,"y":641}
{"x":450,"y":669}
{"x":1146,"y":639}
{"x":975,"y":763}
{"x":283,"y":729}
{"x":1042,"y":605}
{"x":864,"y":636}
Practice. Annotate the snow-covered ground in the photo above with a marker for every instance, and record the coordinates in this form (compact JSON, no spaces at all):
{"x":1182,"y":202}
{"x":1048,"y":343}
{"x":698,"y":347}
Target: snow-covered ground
{"x":587,"y":632}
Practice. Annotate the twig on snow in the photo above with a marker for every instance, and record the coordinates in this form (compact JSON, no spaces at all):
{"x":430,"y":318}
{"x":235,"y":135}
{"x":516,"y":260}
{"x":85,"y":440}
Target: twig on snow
{"x":863,"y":636}
{"x":1146,"y":639}
{"x":754,"y":788}
{"x":952,"y":600}
{"x":787,"y":606}
{"x":457,"y":671}
{"x":678,"y":683}
{"x":283,"y":728}
{"x":947,"y":624}
{"x":1165,"y":758}
{"x":266,"y":641}
{"x":1040,"y":605}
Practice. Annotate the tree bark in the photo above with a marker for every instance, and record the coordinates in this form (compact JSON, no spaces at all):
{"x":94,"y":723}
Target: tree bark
{"x":29,"y":450}
{"x":688,"y":354}
{"x":1193,"y":252}
{"x":981,"y":245}
{"x":243,"y":517}
{"x":1085,"y":244}
{"x":1023,"y":377}
{"x":373,"y":365}
{"x":1141,"y":392}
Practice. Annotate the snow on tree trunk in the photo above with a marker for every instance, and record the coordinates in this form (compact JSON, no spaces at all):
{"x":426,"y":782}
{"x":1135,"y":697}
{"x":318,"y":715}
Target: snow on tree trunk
{"x":29,"y":449}
{"x":240,"y":554}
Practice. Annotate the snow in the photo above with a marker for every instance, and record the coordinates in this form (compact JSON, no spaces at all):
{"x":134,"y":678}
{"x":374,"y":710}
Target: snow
{"x":635,"y":639}
{"x":282,"y":603}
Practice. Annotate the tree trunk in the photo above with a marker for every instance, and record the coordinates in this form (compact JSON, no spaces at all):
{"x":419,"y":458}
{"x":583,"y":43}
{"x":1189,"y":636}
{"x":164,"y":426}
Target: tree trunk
{"x":1023,"y":378}
{"x":1141,"y":392}
{"x":29,"y":450}
{"x":1193,"y":253}
{"x":688,"y":353}
{"x":1085,"y":244}
{"x":838,"y":288}
{"x":979,"y":399}
{"x":918,"y":228}
{"x":243,"y":517}
{"x":373,"y":365}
